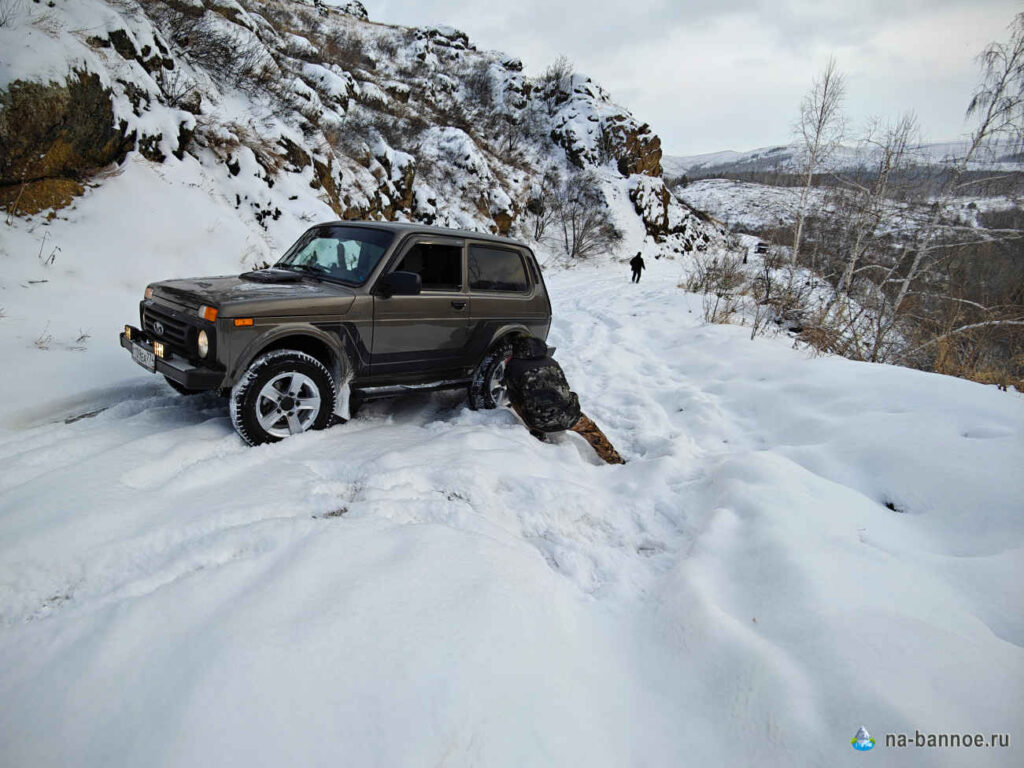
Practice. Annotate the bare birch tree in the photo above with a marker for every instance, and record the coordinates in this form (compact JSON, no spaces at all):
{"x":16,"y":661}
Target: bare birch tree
{"x":892,"y":147}
{"x":998,"y":110}
{"x":819,"y":132}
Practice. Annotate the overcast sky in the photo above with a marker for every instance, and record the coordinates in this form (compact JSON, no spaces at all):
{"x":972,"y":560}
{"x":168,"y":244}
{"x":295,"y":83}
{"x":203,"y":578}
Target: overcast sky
{"x":711,"y":75}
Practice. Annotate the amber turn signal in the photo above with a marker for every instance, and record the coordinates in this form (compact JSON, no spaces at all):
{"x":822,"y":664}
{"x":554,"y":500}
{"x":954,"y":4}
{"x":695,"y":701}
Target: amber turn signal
{"x":243,"y":321}
{"x":149,"y":292}
{"x":208,"y":313}
{"x":128,"y":332}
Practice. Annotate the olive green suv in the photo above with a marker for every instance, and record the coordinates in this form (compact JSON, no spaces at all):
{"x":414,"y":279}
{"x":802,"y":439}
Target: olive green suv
{"x":385,"y":308}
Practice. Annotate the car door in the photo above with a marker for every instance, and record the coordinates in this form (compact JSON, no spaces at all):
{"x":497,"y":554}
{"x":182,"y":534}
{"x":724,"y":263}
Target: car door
{"x":505,"y":291}
{"x":423,"y":337}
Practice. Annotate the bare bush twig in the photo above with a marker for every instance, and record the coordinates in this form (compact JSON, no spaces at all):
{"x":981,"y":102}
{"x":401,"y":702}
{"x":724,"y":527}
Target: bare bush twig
{"x":10,"y":11}
{"x":44,"y":339}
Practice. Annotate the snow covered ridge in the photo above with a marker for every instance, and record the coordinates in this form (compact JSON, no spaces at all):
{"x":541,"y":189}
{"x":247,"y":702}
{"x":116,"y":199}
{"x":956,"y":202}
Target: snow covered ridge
{"x":376,"y":121}
{"x":999,"y":156}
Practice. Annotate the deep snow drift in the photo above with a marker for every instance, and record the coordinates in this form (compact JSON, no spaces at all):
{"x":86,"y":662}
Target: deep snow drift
{"x":428,"y":585}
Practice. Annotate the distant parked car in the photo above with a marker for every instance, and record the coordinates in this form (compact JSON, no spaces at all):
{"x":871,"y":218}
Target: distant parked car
{"x":761,"y":248}
{"x":390,"y":307}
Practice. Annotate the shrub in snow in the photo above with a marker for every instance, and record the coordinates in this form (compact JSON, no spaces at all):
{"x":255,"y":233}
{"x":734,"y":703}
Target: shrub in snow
{"x":582,"y":218}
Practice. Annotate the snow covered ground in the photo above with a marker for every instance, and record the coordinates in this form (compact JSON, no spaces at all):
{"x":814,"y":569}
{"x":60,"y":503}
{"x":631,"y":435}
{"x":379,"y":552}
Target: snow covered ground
{"x":748,"y":206}
{"x":429,"y":585}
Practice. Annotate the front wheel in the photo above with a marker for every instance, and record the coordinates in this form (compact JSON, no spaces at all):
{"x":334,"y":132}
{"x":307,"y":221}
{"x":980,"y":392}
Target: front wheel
{"x":283,"y":393}
{"x":488,"y":389}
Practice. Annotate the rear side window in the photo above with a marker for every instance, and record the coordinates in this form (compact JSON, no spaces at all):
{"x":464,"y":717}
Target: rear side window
{"x":496,"y":269}
{"x":439,"y":266}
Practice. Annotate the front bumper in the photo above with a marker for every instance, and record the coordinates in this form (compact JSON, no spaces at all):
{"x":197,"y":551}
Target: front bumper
{"x":176,"y":367}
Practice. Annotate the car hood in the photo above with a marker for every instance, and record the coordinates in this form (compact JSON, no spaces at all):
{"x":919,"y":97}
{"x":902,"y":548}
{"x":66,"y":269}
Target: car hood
{"x":271,"y":293}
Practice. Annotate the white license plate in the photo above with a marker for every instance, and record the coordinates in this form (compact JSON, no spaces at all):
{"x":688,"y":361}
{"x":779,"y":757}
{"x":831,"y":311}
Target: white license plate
{"x":144,"y":357}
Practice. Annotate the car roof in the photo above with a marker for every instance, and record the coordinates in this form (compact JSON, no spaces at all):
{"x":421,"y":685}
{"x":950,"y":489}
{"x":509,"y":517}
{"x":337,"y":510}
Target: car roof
{"x":407,"y":227}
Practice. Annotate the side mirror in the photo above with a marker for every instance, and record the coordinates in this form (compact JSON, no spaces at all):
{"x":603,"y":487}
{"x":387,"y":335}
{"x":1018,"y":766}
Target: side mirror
{"x":400,"y":284}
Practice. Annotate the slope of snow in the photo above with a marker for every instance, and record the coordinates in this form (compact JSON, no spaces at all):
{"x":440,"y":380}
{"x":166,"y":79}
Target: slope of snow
{"x":678,"y":165}
{"x":428,"y":585}
{"x":68,"y":286}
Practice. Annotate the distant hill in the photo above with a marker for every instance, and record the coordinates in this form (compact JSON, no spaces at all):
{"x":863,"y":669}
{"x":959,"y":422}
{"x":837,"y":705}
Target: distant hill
{"x":785,"y":159}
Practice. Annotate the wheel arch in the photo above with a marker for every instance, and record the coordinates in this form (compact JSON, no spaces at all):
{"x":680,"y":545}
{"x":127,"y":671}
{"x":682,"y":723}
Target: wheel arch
{"x":510,"y":332}
{"x":307,"y":338}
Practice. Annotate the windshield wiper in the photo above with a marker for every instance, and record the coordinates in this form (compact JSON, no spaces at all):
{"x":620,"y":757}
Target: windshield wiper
{"x":309,"y":269}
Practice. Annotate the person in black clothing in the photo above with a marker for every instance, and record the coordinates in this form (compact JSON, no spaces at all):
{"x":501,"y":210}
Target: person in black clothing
{"x":637,"y":264}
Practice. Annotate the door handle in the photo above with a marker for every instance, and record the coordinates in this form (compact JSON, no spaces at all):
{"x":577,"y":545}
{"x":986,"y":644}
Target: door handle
{"x":459,"y":304}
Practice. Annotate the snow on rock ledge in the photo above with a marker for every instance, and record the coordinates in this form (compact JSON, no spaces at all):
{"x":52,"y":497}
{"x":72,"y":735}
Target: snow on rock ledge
{"x":664,"y":216}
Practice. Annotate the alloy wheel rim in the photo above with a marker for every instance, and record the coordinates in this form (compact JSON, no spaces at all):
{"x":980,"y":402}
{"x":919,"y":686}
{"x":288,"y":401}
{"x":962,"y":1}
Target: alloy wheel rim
{"x":288,"y":404}
{"x":497,"y":387}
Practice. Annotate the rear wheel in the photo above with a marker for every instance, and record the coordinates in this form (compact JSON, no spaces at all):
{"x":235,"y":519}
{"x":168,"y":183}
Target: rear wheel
{"x":283,"y":393}
{"x":488,"y":389}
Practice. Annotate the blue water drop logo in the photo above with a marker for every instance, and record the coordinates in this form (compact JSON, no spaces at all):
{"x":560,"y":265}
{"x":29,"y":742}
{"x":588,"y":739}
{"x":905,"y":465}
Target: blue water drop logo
{"x":862,"y":741}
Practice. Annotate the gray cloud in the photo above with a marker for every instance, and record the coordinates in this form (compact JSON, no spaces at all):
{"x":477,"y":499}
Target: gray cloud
{"x":715,"y":75}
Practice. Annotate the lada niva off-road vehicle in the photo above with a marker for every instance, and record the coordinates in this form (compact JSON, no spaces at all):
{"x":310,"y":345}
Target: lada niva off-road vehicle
{"x":385,"y":307}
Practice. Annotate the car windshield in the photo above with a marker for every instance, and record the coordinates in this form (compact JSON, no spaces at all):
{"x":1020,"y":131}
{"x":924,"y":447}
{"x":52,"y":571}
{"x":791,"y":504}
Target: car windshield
{"x":340,"y":252}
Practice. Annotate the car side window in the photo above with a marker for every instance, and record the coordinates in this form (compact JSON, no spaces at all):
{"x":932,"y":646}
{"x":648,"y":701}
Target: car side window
{"x":439,"y":266}
{"x":496,"y":269}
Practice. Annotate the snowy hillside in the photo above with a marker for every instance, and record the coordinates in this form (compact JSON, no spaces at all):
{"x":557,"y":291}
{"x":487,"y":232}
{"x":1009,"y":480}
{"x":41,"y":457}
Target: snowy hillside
{"x":797,"y":547}
{"x":291,"y":111}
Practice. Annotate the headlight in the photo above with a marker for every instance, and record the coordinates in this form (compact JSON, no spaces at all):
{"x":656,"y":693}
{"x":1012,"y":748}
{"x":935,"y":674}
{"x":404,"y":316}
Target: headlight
{"x":158,"y":349}
{"x":203,"y":343}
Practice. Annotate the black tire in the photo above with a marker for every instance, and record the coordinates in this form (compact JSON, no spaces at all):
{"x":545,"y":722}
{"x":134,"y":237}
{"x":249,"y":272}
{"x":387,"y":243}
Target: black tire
{"x":181,"y":389}
{"x":304,"y":389}
{"x":482,"y":387}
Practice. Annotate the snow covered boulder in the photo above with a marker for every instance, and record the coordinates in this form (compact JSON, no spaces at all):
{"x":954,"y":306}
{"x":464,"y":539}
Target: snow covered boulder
{"x":511,"y":63}
{"x":445,"y":37}
{"x":593,"y":131}
{"x":333,"y":85}
{"x":193,"y":8}
{"x":355,"y":9}
{"x":456,"y":148}
{"x":232,"y":11}
{"x":659,"y":210}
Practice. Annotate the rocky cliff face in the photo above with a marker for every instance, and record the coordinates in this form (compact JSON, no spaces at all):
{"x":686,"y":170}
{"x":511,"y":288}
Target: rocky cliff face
{"x":379,"y":122}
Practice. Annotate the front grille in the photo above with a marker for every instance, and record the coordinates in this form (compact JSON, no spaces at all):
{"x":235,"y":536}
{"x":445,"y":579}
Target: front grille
{"x":166,"y":327}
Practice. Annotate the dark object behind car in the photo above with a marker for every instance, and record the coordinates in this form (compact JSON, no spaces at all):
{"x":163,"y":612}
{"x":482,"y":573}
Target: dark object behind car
{"x":387,"y":307}
{"x":538,"y":389}
{"x":539,"y":393}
